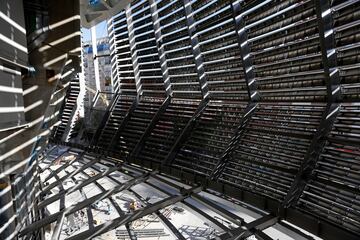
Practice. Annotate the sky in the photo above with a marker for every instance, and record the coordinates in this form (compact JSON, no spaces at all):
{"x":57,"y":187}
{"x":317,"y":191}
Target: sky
{"x":101,"y":31}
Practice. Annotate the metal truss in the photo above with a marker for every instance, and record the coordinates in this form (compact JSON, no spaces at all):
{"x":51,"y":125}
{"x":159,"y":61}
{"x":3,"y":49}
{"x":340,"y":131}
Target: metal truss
{"x":251,"y":85}
{"x":246,"y":58}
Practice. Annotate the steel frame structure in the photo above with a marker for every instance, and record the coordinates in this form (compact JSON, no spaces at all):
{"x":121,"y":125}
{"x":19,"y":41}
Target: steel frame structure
{"x":296,"y":94}
{"x":175,"y":192}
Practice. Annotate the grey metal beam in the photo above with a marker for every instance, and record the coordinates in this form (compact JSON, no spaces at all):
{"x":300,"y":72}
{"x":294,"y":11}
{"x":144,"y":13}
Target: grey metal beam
{"x":137,"y":149}
{"x":114,"y":203}
{"x":196,"y":48}
{"x":254,"y":227}
{"x":80,"y":205}
{"x":260,"y":235}
{"x":103,"y":228}
{"x":190,"y":207}
{"x":76,"y":187}
{"x":206,"y":217}
{"x":60,"y":221}
{"x":185,"y":133}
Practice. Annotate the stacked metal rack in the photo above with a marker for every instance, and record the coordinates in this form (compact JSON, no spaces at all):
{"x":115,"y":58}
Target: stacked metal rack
{"x":272,"y":148}
{"x":126,"y":140}
{"x":121,"y":62}
{"x":259,"y":96}
{"x":144,"y":51}
{"x":175,"y":45}
{"x":210,"y":137}
{"x":116,"y":113}
{"x":69,"y":107}
{"x":215,"y":29}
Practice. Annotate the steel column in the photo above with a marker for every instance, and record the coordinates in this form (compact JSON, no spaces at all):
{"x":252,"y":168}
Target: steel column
{"x":137,"y":149}
{"x":186,"y":132}
{"x":199,"y":62}
{"x":223,"y":160}
{"x":123,"y":124}
{"x":133,"y":50}
{"x":332,"y":78}
{"x":160,"y":47}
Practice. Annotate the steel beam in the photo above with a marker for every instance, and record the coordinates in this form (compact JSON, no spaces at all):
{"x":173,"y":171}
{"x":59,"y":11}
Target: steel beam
{"x":247,"y":63}
{"x":254,"y":227}
{"x":60,"y":221}
{"x":332,"y":78}
{"x":196,"y":48}
{"x":104,"y":120}
{"x":114,"y":203}
{"x":63,"y":167}
{"x":83,"y":204}
{"x":206,"y":217}
{"x":217,"y":209}
{"x":123,"y":124}
{"x":103,"y":228}
{"x":186,"y":132}
{"x":193,"y":209}
{"x":172,"y":229}
{"x":134,"y":58}
{"x":56,"y":183}
{"x":160,"y":47}
{"x":78,"y":186}
{"x":224,"y":158}
{"x":137,"y":149}
{"x":254,"y":95}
